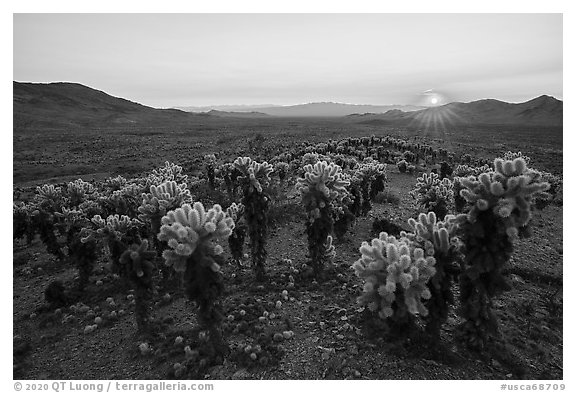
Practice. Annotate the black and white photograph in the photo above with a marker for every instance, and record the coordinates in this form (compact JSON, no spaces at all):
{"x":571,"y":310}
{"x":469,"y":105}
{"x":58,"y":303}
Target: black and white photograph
{"x":255,"y":196}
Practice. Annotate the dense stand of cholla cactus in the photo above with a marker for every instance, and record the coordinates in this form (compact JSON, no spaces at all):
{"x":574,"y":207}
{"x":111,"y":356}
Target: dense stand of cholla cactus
{"x":500,"y":211}
{"x":405,"y":277}
{"x":433,"y":194}
{"x":192,"y":233}
{"x":255,"y":177}
{"x":321,"y":186}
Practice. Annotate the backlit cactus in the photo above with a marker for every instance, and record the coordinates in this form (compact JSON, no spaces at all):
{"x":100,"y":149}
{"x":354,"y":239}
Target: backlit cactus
{"x":168,"y":172}
{"x":191,"y":233}
{"x":155,"y":204}
{"x":500,"y":210}
{"x":190,"y":227}
{"x":49,"y":198}
{"x":78,"y":191}
{"x":395,"y":274}
{"x":511,"y":156}
{"x":255,"y":174}
{"x":463,"y":171}
{"x":167,"y":196}
{"x":255,"y":177}
{"x":441,"y":236}
{"x":321,"y":188}
{"x":509,"y":192}
{"x":433,"y":194}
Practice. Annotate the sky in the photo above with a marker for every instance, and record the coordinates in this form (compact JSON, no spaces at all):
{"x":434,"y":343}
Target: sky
{"x":167,"y":60}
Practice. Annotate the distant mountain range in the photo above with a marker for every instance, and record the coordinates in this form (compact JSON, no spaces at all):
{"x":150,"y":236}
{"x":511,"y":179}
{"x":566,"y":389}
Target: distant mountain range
{"x":75,"y":105}
{"x":225,"y":108}
{"x":315,"y":109}
{"x":543,"y":110}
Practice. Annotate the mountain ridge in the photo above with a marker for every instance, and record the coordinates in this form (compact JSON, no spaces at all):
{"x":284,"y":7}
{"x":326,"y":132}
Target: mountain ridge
{"x":543,"y":110}
{"x":68,"y":104}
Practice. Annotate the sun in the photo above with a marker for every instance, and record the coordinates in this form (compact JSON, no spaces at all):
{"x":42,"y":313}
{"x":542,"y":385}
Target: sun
{"x":434,"y":100}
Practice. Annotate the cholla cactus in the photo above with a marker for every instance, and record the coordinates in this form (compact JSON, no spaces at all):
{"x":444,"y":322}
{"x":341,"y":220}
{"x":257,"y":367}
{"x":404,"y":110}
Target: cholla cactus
{"x":463,"y":171}
{"x":139,"y":263}
{"x":323,"y":179}
{"x":395,"y":273}
{"x":161,"y":199}
{"x":230,"y":175}
{"x":126,"y":200}
{"x":167,"y":196}
{"x":49,"y":198}
{"x":281,"y":168}
{"x":441,"y":236}
{"x":402,"y":166}
{"x":22,"y":221}
{"x":191,"y":233}
{"x":540,"y":202}
{"x":434,"y":194}
{"x":78,"y":191}
{"x":370,"y":178}
{"x":84,"y":254}
{"x":46,"y":202}
{"x":255,"y":176}
{"x":115,"y":232}
{"x":508,"y":191}
{"x":210,"y":165}
{"x":236,"y":239}
{"x":511,"y":156}
{"x":322,"y":186}
{"x":501,"y":203}
{"x":189,"y":227}
{"x":169,"y":172}
{"x":115,"y":183}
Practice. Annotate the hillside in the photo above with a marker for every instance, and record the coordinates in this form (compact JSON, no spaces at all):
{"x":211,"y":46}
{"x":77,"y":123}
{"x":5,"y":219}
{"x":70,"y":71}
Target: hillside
{"x":543,"y":111}
{"x":75,"y":105}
